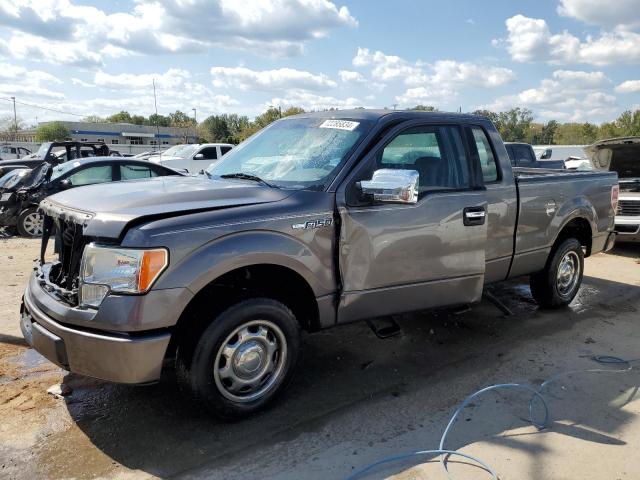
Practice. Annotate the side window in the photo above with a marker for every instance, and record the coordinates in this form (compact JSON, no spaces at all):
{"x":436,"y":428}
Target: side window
{"x":133,"y":172}
{"x":487,"y":160}
{"x":210,"y":153}
{"x":435,"y":152}
{"x":523,"y":155}
{"x":91,"y":175}
{"x":224,"y":150}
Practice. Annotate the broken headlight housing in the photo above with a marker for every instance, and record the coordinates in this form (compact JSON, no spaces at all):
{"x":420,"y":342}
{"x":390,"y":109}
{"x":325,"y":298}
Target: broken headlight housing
{"x":119,"y":270}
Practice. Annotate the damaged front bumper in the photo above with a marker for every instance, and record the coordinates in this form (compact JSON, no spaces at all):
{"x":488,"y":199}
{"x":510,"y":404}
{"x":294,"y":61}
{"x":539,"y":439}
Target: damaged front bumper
{"x":122,"y":357}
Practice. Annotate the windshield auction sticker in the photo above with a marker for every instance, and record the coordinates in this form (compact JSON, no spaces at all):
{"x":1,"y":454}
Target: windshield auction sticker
{"x":340,"y":124}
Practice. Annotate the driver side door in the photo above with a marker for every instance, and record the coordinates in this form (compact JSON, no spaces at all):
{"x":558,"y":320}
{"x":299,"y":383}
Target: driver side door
{"x":397,"y":257}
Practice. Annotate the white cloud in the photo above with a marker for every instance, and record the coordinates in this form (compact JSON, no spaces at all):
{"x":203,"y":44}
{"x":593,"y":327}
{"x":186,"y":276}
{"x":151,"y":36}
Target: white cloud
{"x":628,"y":86}
{"x":16,"y":80}
{"x":466,"y":73}
{"x":172,"y":78}
{"x":271,"y":27}
{"x":269,"y":80}
{"x":569,"y":95}
{"x":424,"y":96}
{"x":428,"y":80}
{"x":388,"y":67}
{"x":311,"y":101}
{"x":529,"y":39}
{"x":349,"y":76}
{"x":621,"y":13}
{"x":76,"y":54}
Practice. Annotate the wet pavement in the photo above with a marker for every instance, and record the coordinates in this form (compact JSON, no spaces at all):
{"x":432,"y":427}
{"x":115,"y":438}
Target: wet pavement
{"x":356,"y":398}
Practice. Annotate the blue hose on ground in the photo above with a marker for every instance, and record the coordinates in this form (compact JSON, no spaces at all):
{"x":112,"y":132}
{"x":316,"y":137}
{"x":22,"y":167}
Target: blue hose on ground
{"x":444,"y":454}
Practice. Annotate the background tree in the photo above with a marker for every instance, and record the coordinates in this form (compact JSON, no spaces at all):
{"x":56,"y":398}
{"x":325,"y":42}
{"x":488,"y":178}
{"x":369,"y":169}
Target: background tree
{"x":548,"y":132}
{"x":120,"y":117}
{"x":52,"y":132}
{"x":514,"y":124}
{"x":424,"y":108}
{"x":589,"y":133}
{"x":159,"y":120}
{"x":94,"y":119}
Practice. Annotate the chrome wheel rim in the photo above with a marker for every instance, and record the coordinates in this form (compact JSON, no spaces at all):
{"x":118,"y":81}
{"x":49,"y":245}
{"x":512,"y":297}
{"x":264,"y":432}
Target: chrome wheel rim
{"x":250,"y":362}
{"x":568,"y":273}
{"x":32,"y":224}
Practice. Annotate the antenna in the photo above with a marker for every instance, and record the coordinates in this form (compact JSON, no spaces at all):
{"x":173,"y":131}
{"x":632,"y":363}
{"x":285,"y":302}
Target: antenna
{"x":155,"y":103}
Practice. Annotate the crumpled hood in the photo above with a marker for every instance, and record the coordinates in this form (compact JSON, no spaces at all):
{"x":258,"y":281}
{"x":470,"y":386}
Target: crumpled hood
{"x":106,"y":209}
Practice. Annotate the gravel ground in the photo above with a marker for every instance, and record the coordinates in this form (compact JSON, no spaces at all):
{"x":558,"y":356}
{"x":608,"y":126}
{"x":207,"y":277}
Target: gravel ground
{"x":356,"y":398}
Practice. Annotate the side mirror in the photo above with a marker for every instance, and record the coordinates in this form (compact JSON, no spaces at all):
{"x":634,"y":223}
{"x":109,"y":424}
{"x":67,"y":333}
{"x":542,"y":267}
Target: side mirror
{"x":66,"y":183}
{"x":198,"y":156}
{"x":392,"y":186}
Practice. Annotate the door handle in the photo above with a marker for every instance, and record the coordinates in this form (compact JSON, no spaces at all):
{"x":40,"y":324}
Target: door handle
{"x":474,"y":216}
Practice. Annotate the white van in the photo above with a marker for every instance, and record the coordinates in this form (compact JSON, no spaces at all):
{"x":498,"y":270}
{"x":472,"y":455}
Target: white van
{"x":191,"y":157}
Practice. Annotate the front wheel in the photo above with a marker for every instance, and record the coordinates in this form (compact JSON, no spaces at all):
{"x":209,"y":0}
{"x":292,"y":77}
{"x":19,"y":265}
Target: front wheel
{"x":245,"y":357}
{"x":30,"y":223}
{"x":559,"y":282}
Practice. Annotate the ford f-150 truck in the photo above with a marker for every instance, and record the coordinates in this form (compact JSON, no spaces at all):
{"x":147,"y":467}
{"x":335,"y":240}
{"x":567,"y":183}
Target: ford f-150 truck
{"x":318,"y":220}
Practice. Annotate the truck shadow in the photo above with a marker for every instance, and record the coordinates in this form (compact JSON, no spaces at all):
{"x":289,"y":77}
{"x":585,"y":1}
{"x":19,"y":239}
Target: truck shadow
{"x":161,"y":431}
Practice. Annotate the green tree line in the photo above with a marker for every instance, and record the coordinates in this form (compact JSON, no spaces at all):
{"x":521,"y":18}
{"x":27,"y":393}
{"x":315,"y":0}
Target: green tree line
{"x":515,"y":125}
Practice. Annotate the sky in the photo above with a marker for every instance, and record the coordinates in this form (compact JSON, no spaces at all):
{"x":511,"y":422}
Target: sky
{"x":568,"y":60}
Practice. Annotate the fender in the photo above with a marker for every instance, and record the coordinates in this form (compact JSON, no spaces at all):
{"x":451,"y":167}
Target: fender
{"x":578,"y":207}
{"x":242,"y":249}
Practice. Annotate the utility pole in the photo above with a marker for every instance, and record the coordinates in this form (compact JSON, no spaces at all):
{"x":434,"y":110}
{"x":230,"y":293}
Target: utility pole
{"x":195,"y":126}
{"x":15,"y":121}
{"x":155,"y":103}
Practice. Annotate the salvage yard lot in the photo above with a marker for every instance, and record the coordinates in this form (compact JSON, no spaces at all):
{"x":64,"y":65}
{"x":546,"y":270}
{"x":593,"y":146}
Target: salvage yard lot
{"x":356,"y":398}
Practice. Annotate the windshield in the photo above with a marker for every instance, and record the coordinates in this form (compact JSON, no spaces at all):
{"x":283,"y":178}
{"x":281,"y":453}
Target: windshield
{"x":300,"y":153}
{"x":42,"y":151}
{"x":12,"y":178}
{"x":182,"y":151}
{"x":63,"y":168}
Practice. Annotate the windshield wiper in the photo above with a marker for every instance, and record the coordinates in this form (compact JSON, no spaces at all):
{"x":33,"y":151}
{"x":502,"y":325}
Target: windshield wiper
{"x":248,"y":176}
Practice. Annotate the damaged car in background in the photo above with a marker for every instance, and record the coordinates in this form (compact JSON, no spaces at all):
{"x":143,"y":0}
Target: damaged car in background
{"x":23,"y":189}
{"x":622,"y":155}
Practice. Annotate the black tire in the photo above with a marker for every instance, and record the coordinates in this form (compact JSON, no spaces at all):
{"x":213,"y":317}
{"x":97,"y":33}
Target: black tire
{"x":550,"y":287}
{"x":25,"y":224}
{"x":205,"y":372}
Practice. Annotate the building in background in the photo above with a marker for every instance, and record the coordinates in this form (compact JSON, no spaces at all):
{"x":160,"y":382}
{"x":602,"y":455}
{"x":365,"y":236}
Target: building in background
{"x":120,"y":134}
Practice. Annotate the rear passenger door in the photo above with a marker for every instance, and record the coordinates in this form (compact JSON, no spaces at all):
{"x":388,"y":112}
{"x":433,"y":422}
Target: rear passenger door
{"x":413,"y":256}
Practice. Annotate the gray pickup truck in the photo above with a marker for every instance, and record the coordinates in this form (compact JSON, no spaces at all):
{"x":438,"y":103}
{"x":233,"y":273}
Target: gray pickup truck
{"x":318,"y":220}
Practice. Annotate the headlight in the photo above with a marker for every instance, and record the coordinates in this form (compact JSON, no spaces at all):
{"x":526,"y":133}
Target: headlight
{"x":121,"y":270}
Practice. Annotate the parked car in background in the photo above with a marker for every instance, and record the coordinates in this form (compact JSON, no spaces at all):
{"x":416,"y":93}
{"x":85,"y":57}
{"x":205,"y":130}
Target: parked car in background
{"x":319,"y":219}
{"x":26,"y":188}
{"x":523,"y":155}
{"x":9,"y":152}
{"x":622,"y":155}
{"x":146,"y":155}
{"x":55,"y":153}
{"x":193,"y":158}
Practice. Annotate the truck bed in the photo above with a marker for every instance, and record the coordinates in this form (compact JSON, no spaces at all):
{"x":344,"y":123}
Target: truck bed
{"x":545,"y":197}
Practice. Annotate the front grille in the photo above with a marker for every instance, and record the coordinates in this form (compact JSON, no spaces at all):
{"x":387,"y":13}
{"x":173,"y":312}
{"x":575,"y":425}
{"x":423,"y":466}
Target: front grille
{"x":69,"y":245}
{"x":628,"y":208}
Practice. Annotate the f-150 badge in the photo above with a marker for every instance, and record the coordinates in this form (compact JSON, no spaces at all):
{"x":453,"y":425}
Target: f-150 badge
{"x":325,"y":222}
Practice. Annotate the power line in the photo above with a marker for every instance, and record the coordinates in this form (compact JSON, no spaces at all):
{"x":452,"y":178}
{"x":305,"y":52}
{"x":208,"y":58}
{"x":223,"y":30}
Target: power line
{"x":41,"y":107}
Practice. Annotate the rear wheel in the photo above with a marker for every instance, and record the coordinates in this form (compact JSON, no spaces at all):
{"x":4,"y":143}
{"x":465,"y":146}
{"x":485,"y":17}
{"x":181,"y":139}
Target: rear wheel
{"x":244,"y":358}
{"x":30,"y":223}
{"x":557,"y":285}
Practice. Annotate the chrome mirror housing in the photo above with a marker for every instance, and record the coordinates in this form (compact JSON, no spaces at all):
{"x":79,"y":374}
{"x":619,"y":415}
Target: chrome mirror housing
{"x":392,"y":186}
